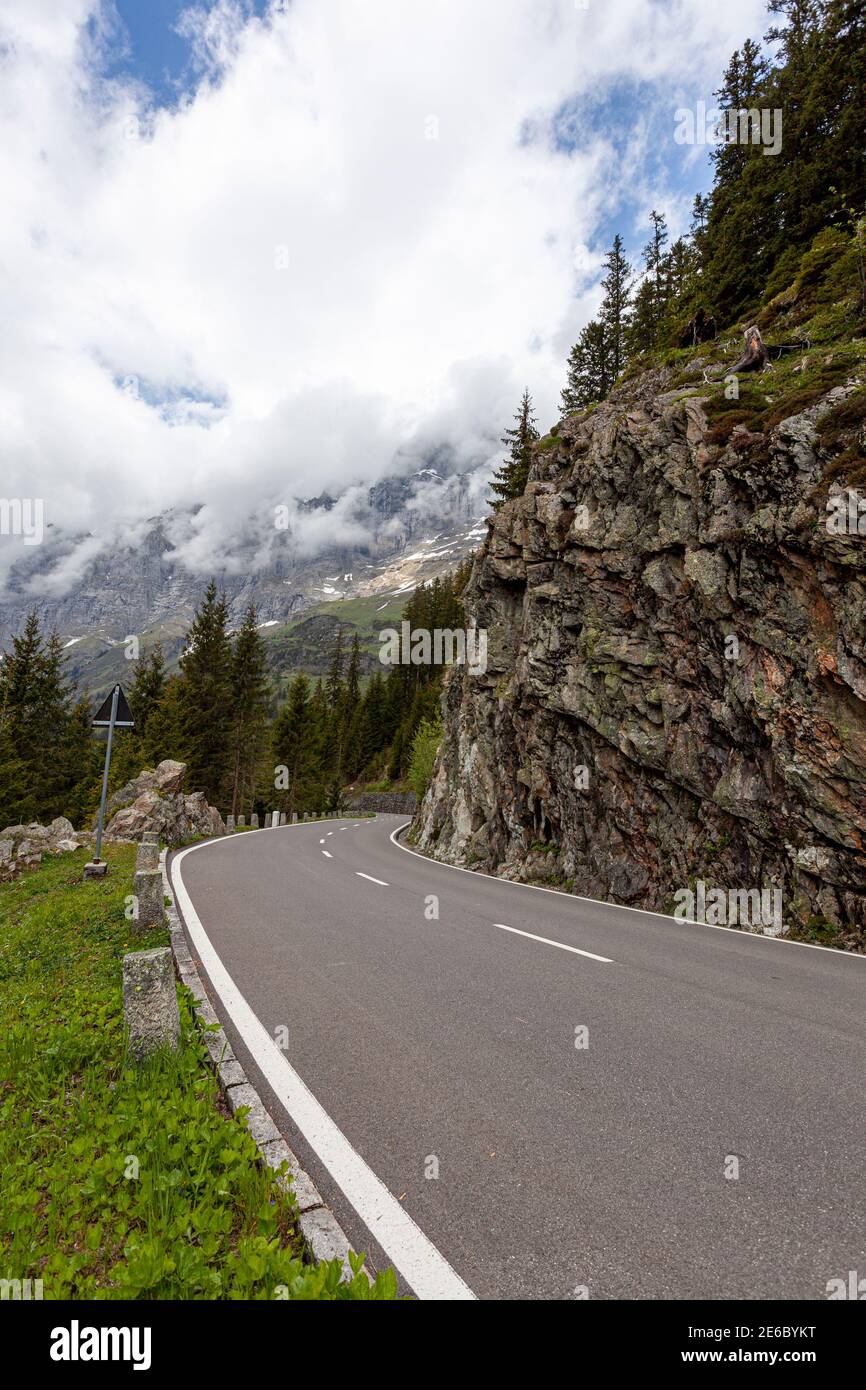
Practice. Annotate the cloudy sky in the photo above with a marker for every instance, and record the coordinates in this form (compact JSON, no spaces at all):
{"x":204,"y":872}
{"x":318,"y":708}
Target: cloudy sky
{"x":250,"y":252}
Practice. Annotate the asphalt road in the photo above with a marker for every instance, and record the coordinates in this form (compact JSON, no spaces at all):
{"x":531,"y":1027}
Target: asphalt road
{"x":449,"y":1045}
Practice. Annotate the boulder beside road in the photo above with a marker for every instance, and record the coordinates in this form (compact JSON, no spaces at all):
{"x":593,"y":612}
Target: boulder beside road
{"x":155,"y":802}
{"x":22,"y":846}
{"x":153,"y":805}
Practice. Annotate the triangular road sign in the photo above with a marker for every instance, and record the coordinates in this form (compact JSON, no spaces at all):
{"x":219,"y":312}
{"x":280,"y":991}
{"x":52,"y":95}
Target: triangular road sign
{"x":124,"y":719}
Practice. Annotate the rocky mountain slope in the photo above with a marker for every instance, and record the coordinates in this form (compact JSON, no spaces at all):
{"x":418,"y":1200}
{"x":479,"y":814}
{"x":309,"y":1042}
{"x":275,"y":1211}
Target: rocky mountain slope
{"x":413,"y":528}
{"x":676,"y":679}
{"x":398,"y":531}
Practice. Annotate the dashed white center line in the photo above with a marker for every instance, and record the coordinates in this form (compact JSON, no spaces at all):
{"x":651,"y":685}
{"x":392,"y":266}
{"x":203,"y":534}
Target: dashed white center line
{"x":321,"y":842}
{"x":590,"y":955}
{"x":327,"y":855}
{"x":381,"y":882}
{"x":330,"y":832}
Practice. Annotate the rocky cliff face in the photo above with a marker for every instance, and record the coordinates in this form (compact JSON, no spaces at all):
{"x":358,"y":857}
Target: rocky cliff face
{"x":676,"y":679}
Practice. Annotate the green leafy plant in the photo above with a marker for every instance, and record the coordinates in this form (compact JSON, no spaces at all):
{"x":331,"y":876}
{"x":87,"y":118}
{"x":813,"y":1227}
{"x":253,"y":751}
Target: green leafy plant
{"x":123,"y":1182}
{"x":425,"y":746}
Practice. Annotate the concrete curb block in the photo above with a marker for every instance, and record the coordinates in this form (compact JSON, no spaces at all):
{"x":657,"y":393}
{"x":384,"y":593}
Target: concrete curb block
{"x":324,"y":1237}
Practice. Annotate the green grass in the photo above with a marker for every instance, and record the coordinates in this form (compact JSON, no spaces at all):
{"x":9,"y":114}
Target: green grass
{"x":819,"y":931}
{"x":119,"y":1182}
{"x":384,"y":786}
{"x":815,"y":299}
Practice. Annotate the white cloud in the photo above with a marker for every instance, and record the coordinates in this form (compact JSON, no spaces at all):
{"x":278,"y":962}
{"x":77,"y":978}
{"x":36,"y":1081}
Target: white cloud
{"x":425,"y":280}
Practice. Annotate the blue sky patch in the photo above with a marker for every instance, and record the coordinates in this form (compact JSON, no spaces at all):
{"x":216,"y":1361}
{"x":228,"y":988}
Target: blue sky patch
{"x":147,"y":47}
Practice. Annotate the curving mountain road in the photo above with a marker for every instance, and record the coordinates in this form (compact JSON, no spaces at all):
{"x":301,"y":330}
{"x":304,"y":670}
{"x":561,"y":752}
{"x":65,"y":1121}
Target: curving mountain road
{"x":448,"y":1044}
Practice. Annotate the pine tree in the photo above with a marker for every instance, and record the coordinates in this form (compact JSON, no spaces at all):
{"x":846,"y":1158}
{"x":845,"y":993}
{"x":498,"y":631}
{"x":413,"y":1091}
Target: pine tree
{"x":654,"y":288}
{"x":132,"y":751}
{"x":613,"y":315}
{"x":510,"y":480}
{"x":590,"y":369}
{"x":81,"y":756}
{"x":371,"y":737}
{"x":352,"y":685}
{"x":350,"y":708}
{"x":13,"y":779}
{"x":205,"y":698}
{"x":147,"y":688}
{"x":250,"y":694}
{"x":700,"y":213}
{"x":320,"y":731}
{"x":46,"y":734}
{"x":24,"y":672}
{"x":332,"y":733}
{"x":163,"y":737}
{"x":294,"y":745}
{"x":395,"y":764}
{"x":334,"y":682}
{"x":740,"y":226}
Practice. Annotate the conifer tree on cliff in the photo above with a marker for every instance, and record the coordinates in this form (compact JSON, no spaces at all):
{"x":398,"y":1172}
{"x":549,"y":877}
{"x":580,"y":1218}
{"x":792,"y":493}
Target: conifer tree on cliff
{"x":205,"y":697}
{"x":651,"y":297}
{"x":590,"y":369}
{"x":614,"y":307}
{"x":510,"y":480}
{"x":599,"y":354}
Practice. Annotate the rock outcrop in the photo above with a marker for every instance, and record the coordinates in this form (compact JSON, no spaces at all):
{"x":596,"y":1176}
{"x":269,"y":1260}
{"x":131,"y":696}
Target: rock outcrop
{"x":22,"y":846}
{"x":676,"y":678}
{"x":155,"y":801}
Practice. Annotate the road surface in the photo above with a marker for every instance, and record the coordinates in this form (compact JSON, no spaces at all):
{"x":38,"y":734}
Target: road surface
{"x":659,"y":1110}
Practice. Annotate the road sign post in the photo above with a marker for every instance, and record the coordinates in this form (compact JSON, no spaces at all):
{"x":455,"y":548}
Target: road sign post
{"x":114,"y":713}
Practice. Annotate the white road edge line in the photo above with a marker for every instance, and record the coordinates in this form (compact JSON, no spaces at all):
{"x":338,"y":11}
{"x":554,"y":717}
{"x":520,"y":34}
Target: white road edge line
{"x":621,"y":907}
{"x":381,"y":882}
{"x":327,"y":855}
{"x":426,"y":1271}
{"x":548,"y":942}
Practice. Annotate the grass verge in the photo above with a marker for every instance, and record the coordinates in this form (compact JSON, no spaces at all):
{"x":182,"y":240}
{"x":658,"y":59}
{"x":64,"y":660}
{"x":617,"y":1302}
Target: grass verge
{"x":118,"y":1182}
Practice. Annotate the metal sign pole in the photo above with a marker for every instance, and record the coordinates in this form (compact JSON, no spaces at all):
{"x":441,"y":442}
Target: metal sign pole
{"x":114,"y":699}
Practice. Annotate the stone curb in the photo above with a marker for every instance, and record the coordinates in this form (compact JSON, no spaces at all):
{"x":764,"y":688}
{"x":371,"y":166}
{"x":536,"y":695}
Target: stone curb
{"x":322,"y":1233}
